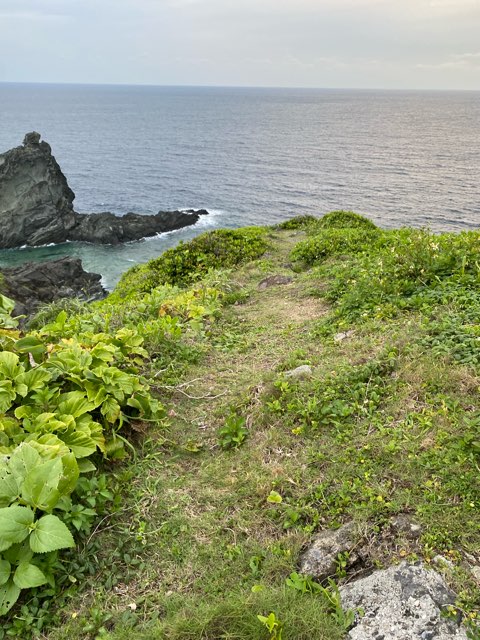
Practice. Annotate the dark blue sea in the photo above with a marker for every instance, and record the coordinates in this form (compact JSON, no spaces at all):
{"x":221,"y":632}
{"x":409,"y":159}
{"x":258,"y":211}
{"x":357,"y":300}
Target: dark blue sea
{"x":251,"y":156}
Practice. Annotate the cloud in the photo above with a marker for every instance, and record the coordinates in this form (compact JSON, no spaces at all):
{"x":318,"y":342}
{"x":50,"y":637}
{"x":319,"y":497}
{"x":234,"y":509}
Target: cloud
{"x":20,"y":16}
{"x":455,"y":5}
{"x":281,"y":42}
{"x":40,"y":10}
{"x":465,"y":61}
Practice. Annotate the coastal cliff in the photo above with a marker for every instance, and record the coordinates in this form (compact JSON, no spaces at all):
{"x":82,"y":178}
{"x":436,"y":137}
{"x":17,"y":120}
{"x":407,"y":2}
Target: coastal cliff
{"x":296,"y":413}
{"x":36,"y":205}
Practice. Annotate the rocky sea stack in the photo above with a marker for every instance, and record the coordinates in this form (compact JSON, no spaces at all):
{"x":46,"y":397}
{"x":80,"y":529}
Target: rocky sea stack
{"x":36,"y":205}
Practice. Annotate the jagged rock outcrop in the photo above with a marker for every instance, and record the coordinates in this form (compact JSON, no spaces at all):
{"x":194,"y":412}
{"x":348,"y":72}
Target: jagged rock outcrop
{"x":35,"y":283}
{"x":35,"y":199}
{"x":107,"y":228}
{"x":36,"y":205}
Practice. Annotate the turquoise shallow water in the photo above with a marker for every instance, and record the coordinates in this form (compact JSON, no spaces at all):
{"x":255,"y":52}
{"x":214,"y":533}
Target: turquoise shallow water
{"x":111,"y":261}
{"x":251,"y":156}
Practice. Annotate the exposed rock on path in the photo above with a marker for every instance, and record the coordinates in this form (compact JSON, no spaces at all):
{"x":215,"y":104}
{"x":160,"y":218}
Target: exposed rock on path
{"x":402,"y":603}
{"x":320,"y":560}
{"x":272,"y":281}
{"x":303,"y":372}
{"x":36,"y":205}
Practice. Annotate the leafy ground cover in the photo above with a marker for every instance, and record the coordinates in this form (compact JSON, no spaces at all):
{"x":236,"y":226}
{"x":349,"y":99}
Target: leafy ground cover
{"x":212,"y":467}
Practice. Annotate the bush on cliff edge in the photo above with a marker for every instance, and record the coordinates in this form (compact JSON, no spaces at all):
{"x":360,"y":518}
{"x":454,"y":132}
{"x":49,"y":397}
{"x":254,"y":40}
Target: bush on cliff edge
{"x":190,"y":261}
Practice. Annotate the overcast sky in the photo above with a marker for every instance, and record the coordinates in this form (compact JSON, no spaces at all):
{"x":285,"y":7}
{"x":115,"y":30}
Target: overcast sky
{"x":425,"y":44}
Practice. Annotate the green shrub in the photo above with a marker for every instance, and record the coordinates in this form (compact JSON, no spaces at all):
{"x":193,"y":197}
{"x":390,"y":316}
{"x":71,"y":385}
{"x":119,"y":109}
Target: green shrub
{"x":69,"y":391}
{"x":332,"y":242}
{"x":190,"y":261}
{"x":405,"y":268}
{"x":48,"y":312}
{"x":299,"y":222}
{"x":62,"y":402}
{"x":345,"y":220}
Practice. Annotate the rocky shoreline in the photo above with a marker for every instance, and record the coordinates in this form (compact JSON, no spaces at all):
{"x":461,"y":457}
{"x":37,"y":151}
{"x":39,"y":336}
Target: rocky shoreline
{"x":36,"y":208}
{"x":35,"y":283}
{"x":36,"y":205}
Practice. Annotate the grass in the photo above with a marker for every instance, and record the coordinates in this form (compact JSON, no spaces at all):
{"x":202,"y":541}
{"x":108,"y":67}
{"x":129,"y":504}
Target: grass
{"x":387,"y":424}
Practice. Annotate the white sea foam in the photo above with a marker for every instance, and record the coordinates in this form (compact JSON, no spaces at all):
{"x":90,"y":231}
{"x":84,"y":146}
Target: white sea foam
{"x":204,"y":221}
{"x":161,"y":234}
{"x":211,"y":220}
{"x":37,"y":246}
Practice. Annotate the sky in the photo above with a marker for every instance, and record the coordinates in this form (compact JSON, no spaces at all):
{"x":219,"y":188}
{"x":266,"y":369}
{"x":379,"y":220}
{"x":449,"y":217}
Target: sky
{"x":393,"y":44}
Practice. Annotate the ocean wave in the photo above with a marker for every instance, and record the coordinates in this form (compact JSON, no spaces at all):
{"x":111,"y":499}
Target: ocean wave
{"x":210,"y":220}
{"x":204,"y":221}
{"x":37,"y":246}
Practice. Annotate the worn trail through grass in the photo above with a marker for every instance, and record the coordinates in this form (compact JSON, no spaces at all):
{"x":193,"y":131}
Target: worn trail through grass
{"x":196,"y":526}
{"x":207,"y":535}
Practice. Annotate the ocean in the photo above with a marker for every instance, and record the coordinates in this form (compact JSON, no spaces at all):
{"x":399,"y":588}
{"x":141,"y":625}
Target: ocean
{"x":250,"y":156}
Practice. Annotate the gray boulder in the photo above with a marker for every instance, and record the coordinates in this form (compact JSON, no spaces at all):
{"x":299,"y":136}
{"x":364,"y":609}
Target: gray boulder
{"x":36,"y":205}
{"x":401,"y":603}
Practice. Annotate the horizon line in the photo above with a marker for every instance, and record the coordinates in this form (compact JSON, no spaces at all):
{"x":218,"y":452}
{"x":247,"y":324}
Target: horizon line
{"x":220,"y":86}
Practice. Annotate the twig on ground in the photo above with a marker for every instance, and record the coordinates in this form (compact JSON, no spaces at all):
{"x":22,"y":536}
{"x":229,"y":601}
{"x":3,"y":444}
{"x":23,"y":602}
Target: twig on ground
{"x":205,"y":397}
{"x":179,"y":389}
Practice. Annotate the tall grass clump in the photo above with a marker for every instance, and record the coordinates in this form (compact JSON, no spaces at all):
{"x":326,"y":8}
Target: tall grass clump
{"x":335,"y":242}
{"x":401,"y":269}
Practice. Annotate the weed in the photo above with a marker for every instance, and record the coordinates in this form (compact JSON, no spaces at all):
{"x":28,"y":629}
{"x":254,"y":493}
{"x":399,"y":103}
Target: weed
{"x":331,"y":595}
{"x":233,"y":433}
{"x":273,"y":625}
{"x":335,"y":242}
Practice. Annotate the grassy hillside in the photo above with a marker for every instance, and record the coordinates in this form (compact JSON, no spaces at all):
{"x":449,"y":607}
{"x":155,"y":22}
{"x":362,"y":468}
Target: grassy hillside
{"x":201,"y":471}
